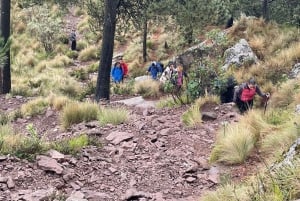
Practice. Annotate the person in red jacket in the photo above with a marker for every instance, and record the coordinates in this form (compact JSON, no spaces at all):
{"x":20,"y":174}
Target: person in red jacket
{"x":244,"y":95}
{"x":124,"y":67}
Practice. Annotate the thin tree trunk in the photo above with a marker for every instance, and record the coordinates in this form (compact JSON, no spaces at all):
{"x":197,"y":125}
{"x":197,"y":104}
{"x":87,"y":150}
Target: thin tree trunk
{"x":109,"y":27}
{"x":265,"y":12}
{"x":5,"y":30}
{"x":145,"y":31}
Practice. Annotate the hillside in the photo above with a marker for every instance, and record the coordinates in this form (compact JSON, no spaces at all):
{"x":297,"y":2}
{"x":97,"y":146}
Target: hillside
{"x":57,"y":143}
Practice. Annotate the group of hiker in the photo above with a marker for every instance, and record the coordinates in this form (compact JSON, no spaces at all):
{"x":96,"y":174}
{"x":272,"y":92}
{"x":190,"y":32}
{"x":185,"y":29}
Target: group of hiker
{"x":241,"y":95}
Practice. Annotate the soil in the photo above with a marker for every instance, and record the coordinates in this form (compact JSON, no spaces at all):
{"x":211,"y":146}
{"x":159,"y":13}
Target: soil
{"x":151,"y":157}
{"x":160,"y":160}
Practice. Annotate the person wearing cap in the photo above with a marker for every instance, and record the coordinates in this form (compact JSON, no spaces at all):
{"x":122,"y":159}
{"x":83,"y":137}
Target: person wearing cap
{"x":244,"y":95}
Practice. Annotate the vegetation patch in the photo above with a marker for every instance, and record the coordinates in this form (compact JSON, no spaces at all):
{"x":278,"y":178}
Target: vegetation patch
{"x":75,"y":113}
{"x":113,"y":116}
{"x":34,"y":107}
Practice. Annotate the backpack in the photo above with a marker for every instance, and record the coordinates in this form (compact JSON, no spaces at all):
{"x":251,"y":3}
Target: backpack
{"x":160,"y":67}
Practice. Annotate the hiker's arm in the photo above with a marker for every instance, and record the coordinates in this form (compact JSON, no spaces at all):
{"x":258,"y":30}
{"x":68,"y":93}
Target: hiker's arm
{"x":259,"y":92}
{"x":237,"y":92}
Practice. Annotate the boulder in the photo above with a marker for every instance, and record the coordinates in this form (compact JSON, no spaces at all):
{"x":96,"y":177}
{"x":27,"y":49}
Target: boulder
{"x":239,"y":54}
{"x":295,"y":72}
{"x":49,"y":164}
{"x":117,"y":137}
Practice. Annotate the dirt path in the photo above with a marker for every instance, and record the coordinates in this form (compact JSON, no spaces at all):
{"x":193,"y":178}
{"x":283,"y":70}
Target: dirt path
{"x":153,"y":157}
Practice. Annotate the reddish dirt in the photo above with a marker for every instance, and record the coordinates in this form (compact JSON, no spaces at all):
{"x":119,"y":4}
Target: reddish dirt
{"x":163,"y":158}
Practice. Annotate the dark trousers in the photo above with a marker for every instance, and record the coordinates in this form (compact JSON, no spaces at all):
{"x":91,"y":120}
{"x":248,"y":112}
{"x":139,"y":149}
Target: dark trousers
{"x":244,"y":105}
{"x":73,"y":45}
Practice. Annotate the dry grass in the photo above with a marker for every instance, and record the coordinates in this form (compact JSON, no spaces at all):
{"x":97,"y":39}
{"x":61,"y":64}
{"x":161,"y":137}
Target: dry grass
{"x":58,"y":102}
{"x":113,"y":116}
{"x":89,"y":53}
{"x":148,"y":88}
{"x":234,"y":144}
{"x":74,"y":113}
{"x":192,"y":117}
{"x":207,"y":100}
{"x":284,"y":96}
{"x":34,"y":107}
{"x":227,"y":193}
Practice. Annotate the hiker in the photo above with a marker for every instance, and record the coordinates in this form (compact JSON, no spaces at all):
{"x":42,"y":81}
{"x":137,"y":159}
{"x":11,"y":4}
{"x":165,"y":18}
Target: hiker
{"x":244,"y":95}
{"x":117,"y":73}
{"x":227,"y":91}
{"x":168,"y":72}
{"x":179,"y":77}
{"x":73,"y":40}
{"x":154,"y":70}
{"x":124,"y":67}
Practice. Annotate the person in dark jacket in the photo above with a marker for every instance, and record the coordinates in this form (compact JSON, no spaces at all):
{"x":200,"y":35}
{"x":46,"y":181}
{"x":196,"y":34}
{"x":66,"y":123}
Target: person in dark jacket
{"x":244,"y":95}
{"x":73,"y":40}
{"x":117,"y":73}
{"x":153,"y":70}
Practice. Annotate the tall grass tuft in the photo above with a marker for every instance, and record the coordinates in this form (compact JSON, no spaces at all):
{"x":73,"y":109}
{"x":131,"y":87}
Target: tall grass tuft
{"x":89,"y":53}
{"x":58,"y":102}
{"x":113,"y":116}
{"x":74,"y":113}
{"x":34,"y":107}
{"x":148,"y":88}
{"x":192,"y":117}
{"x":234,"y":144}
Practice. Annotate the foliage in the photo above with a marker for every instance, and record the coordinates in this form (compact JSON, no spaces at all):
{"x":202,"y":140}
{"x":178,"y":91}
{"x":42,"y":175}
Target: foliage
{"x":89,"y":53}
{"x":71,"y":145}
{"x":126,"y":88}
{"x":201,"y":81}
{"x":113,"y":116}
{"x":45,"y":27}
{"x":34,"y":107}
{"x":78,"y":112}
{"x":58,"y":102}
{"x":148,"y":88}
{"x":192,"y":117}
{"x":80,"y":74}
{"x":21,"y":146}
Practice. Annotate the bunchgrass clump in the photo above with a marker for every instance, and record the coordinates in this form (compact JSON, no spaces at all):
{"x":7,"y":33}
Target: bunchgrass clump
{"x":113,"y":116}
{"x":58,"y":102}
{"x":89,"y":53}
{"x":35,"y":107}
{"x":148,"y":88}
{"x":234,"y":144}
{"x":74,"y":113}
{"x":192,"y":117}
{"x":20,"y":145}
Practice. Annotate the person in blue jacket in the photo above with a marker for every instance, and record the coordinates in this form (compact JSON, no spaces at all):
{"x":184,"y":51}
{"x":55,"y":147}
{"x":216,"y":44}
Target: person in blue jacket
{"x":117,"y":73}
{"x":154,"y":70}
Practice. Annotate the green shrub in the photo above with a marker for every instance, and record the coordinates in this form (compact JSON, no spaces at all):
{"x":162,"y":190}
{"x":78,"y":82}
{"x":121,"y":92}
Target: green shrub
{"x":75,"y":113}
{"x":113,"y":116}
{"x":72,"y":54}
{"x":80,"y":74}
{"x":92,"y":68}
{"x":4,"y":118}
{"x":75,"y":144}
{"x":19,"y":145}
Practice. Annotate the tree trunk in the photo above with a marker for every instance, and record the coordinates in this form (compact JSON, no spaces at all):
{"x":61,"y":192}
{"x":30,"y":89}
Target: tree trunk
{"x":5,"y":30}
{"x":265,"y":12}
{"x":145,"y":31}
{"x":109,"y":27}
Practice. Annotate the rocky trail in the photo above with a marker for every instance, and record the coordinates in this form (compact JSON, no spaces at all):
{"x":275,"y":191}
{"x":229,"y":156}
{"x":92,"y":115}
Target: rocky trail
{"x":152,"y":157}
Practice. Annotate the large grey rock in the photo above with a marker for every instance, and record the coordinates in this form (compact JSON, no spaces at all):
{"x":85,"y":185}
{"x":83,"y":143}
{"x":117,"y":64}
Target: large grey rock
{"x":117,"y":137}
{"x":142,"y":78}
{"x":295,"y":72}
{"x":39,"y":195}
{"x":239,"y":54}
{"x":290,"y":156}
{"x":138,"y":102}
{"x":194,"y":54}
{"x":297,"y":109}
{"x":49,"y":164}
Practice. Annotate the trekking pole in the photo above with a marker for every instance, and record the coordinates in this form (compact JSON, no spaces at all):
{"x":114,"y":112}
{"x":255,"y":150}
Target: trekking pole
{"x":266,"y":104}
